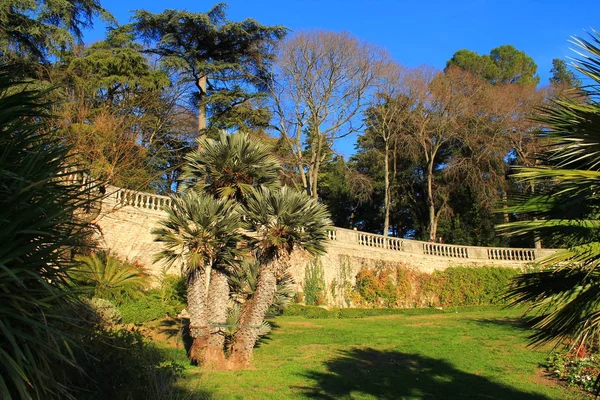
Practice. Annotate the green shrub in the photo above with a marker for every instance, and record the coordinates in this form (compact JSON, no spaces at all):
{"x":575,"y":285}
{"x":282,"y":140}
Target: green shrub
{"x":122,"y":364}
{"x":173,"y":288}
{"x":105,"y":312}
{"x":149,"y":308}
{"x":312,"y":312}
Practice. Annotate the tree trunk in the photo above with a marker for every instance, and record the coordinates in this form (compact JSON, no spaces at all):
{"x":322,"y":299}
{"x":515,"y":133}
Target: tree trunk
{"x":430,"y":202}
{"x":217,"y":317}
{"x":201,"y":108}
{"x":252,"y":317}
{"x":386,"y":222}
{"x":196,"y":307}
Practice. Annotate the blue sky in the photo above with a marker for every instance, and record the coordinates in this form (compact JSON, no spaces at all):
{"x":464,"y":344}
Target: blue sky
{"x":415,"y":32}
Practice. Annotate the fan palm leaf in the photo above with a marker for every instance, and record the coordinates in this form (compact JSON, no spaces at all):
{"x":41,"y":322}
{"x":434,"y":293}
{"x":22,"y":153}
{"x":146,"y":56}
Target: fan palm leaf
{"x":564,"y":298}
{"x":231,"y":166}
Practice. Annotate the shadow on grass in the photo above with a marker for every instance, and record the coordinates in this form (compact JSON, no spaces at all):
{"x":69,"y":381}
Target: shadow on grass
{"x":180,"y":328}
{"x":516,"y":322}
{"x":396,"y":375}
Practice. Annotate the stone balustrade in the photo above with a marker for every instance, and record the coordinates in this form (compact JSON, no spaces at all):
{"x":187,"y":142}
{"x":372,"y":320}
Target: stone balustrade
{"x":118,"y":197}
{"x":153,"y":204}
{"x":363,"y":239}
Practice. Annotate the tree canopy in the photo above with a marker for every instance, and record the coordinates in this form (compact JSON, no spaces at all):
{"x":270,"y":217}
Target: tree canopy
{"x":228,"y":62}
{"x":504,"y":64}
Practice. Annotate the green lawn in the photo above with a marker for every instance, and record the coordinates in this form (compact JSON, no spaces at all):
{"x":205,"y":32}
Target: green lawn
{"x":460,"y":355}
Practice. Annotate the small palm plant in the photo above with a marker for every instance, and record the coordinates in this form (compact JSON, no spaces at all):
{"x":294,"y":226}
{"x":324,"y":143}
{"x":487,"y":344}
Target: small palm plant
{"x":107,"y":277}
{"x":279,"y":222}
{"x":231,"y":166}
{"x":201,"y":235}
{"x":564,"y":297}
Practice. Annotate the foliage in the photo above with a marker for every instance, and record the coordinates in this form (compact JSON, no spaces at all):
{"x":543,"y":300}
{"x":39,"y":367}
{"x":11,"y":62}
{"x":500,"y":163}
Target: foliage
{"x":283,"y":220}
{"x":40,"y":28}
{"x":314,"y":312}
{"x":40,"y":221}
{"x":149,"y":308}
{"x":105,"y":312}
{"x":224,"y":60}
{"x":233,"y":324}
{"x":562,"y":76}
{"x":563,"y":296}
{"x":462,"y":286}
{"x":123,"y":364}
{"x":199,"y":229}
{"x":399,"y":286}
{"x":504,"y":64}
{"x":243,"y":281}
{"x":231,"y":166}
{"x":173,"y":288}
{"x":315,"y":291}
{"x":577,"y":371}
{"x":105,"y":276}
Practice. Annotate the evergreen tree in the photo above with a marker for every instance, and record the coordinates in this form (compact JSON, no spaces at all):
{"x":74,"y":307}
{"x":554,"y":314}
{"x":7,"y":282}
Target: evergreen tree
{"x":227,"y":62}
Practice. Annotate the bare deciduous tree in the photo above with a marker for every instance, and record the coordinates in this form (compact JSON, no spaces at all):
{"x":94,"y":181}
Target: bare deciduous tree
{"x":323,"y":82}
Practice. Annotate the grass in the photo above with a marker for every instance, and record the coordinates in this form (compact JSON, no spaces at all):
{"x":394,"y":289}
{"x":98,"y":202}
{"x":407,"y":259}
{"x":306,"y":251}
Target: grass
{"x":463,"y":354}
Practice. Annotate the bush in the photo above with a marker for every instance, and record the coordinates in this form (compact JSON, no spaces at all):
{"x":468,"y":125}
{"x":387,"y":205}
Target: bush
{"x":173,"y":288}
{"x":149,"y":308}
{"x":103,"y":312}
{"x":467,"y":286}
{"x":312,"y":312}
{"x":122,"y":364}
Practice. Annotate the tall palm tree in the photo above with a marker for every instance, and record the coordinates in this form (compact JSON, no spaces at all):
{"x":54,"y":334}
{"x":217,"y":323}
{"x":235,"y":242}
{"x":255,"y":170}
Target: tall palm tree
{"x":231,"y":166}
{"x":564,"y":297}
{"x":279,"y":222}
{"x":201,"y":235}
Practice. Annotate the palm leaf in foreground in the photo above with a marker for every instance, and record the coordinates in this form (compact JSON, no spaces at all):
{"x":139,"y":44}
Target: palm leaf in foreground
{"x":564,"y":297}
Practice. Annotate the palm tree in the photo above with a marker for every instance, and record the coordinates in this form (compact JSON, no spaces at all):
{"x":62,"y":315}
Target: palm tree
{"x":107,"y":277}
{"x":278,"y":222}
{"x":201,"y":234}
{"x":231,"y":166}
{"x":38,"y":225}
{"x":564,"y":297}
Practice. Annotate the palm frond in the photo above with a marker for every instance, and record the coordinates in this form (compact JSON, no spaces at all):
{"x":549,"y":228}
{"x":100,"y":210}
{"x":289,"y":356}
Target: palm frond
{"x":39,"y":224}
{"x":107,"y":277}
{"x":284,"y":219}
{"x":231,"y":166}
{"x":564,"y":298}
{"x":198,"y":230}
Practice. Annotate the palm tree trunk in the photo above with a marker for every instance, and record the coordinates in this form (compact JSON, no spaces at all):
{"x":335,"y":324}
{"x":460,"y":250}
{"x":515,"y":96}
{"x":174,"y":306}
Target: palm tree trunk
{"x":199,"y":330}
{"x":253,"y":314}
{"x":217,"y":316}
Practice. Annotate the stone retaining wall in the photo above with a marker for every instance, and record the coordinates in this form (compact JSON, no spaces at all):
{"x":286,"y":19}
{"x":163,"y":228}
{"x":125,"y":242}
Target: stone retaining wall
{"x":127,"y":218}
